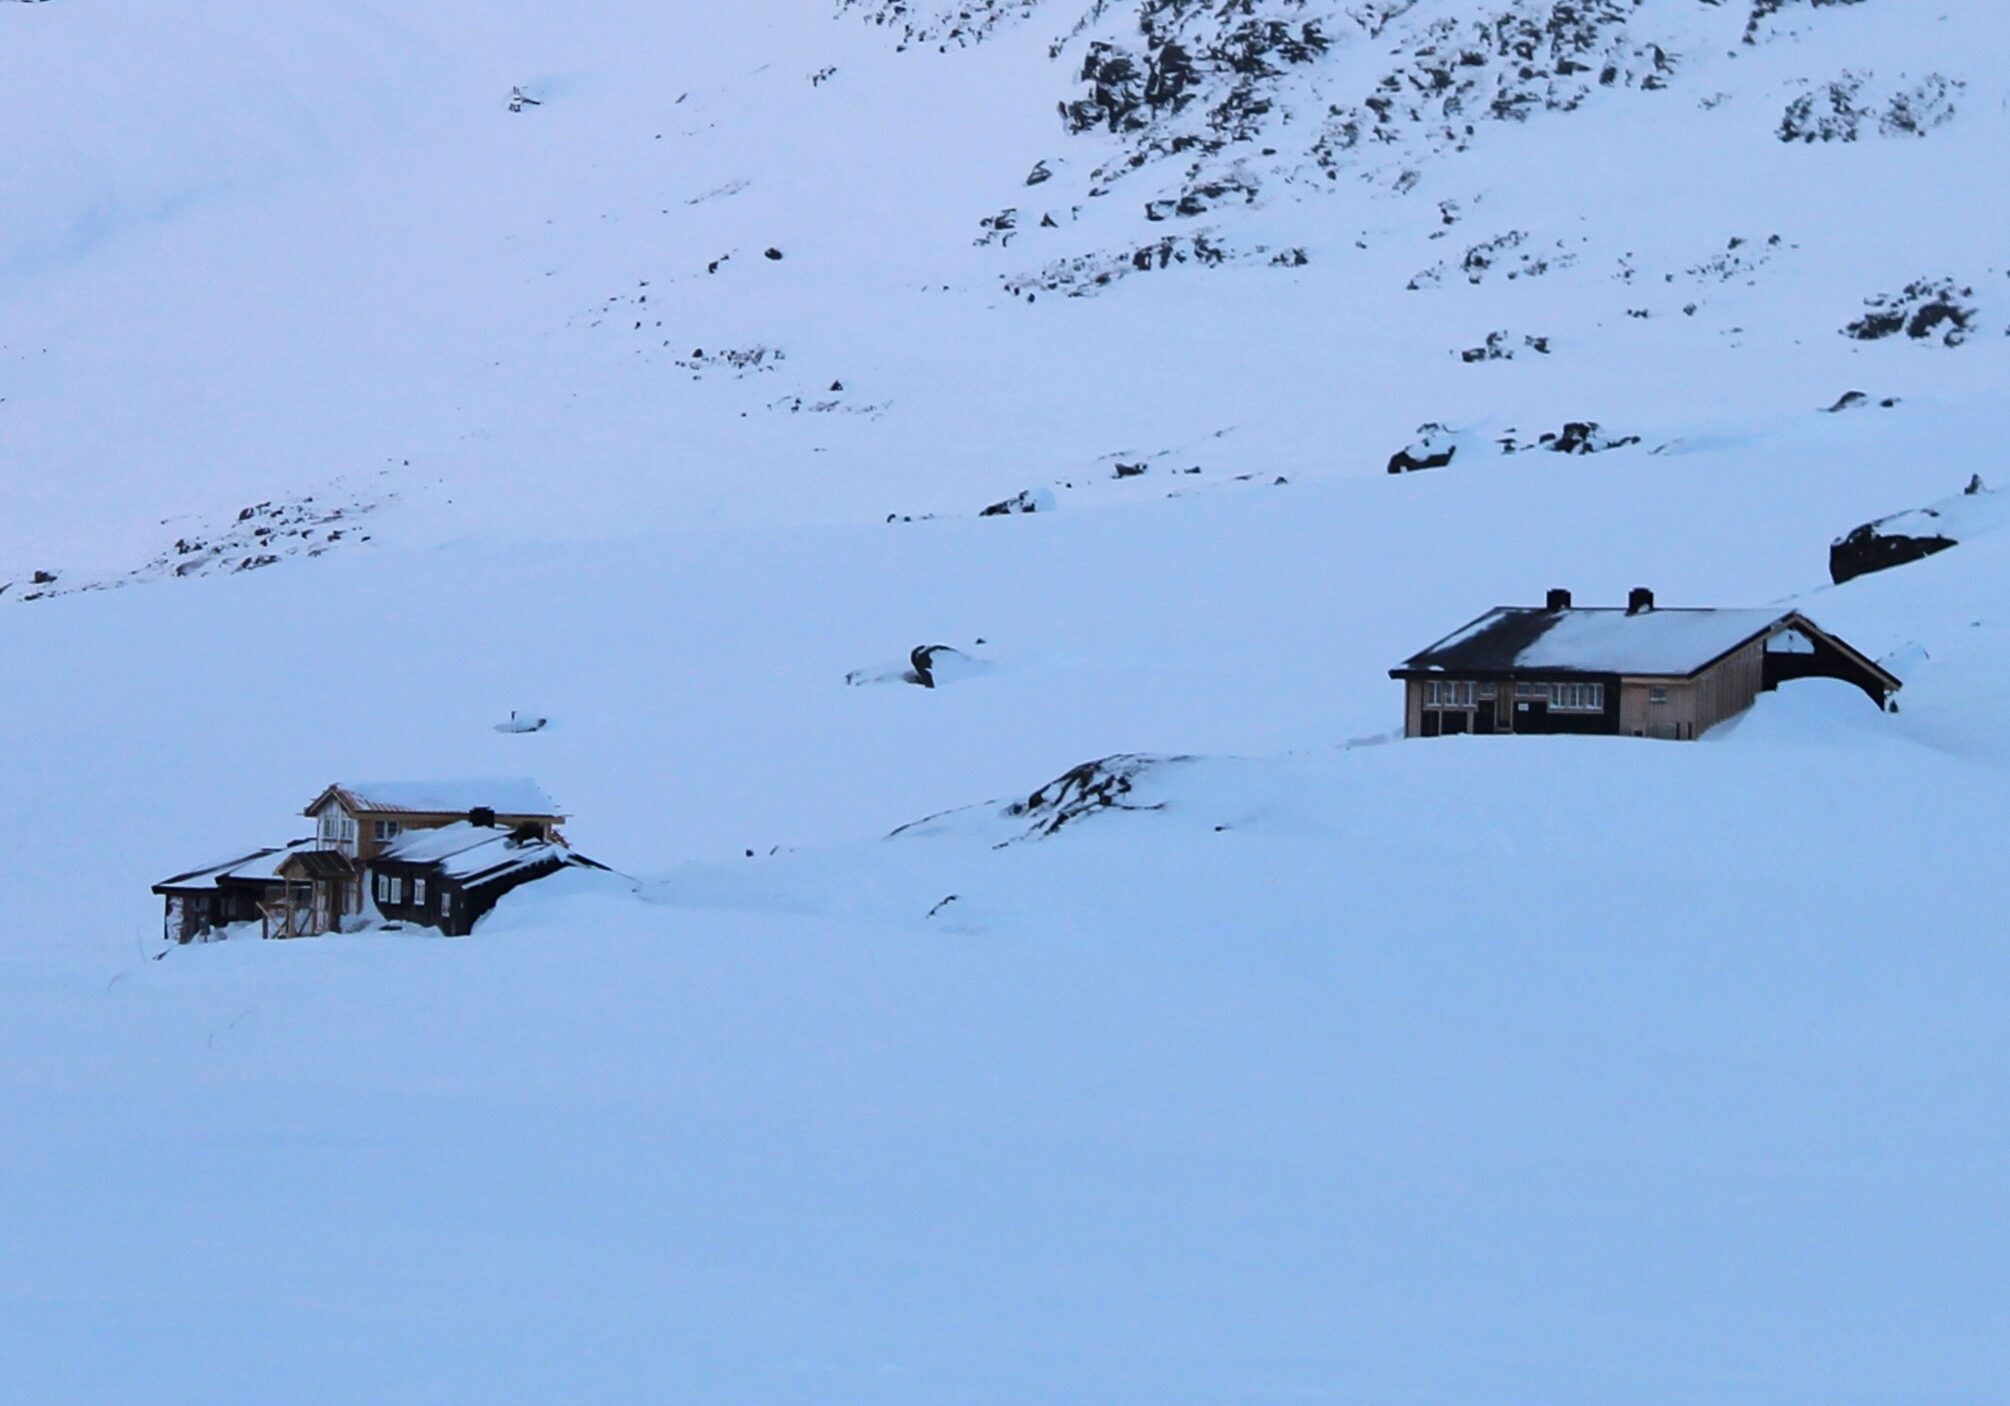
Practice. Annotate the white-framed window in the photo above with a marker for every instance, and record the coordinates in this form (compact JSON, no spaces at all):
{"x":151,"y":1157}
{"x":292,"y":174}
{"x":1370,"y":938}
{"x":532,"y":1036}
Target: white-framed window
{"x":1657,"y":695}
{"x":382,"y":889}
{"x":446,"y":903}
{"x":1578,"y":697}
{"x":418,"y":893}
{"x":337,"y":826}
{"x":397,"y":889}
{"x":1450,"y":693}
{"x":385,"y":830}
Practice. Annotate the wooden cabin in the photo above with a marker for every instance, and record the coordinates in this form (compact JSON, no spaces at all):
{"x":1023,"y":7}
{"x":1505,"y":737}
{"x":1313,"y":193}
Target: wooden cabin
{"x":204,"y":900}
{"x":450,"y":877}
{"x":436,"y":853}
{"x":1640,"y":671}
{"x":355,"y":823}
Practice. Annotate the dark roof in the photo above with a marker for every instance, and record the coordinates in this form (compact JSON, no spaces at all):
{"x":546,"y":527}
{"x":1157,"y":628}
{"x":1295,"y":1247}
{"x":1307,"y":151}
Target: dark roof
{"x":476,"y":855}
{"x":323,"y":864}
{"x":260,"y":866}
{"x":1601,"y":642}
{"x":1653,"y":642}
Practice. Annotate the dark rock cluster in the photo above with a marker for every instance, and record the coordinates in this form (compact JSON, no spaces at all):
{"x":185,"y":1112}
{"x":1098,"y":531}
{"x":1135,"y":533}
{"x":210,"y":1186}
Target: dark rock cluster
{"x":1928,"y":310}
{"x":1844,"y":109}
{"x":1089,"y":789}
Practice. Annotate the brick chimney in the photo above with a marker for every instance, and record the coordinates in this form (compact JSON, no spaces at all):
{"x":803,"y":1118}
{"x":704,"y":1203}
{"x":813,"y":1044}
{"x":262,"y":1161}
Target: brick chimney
{"x":1639,"y":599}
{"x":1559,"y":599}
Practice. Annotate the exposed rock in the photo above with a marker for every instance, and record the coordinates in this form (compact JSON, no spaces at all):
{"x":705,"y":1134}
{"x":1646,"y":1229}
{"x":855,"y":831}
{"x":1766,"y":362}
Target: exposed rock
{"x":1501,"y":346}
{"x":1875,"y":547}
{"x":1842,"y":110}
{"x":1508,"y":255}
{"x":256,"y":536}
{"x":1086,"y":790}
{"x":1922,"y":532}
{"x":738,"y":361}
{"x":1087,"y":274}
{"x":1434,"y":448}
{"x":1856,"y":400}
{"x":1576,"y":437}
{"x":1031,"y":500}
{"x":1924,"y":311}
{"x":927,"y":666}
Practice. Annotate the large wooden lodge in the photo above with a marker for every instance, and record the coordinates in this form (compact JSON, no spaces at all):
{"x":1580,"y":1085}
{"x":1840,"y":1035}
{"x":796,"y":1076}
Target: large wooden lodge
{"x":1641,"y":671}
{"x":439,"y":855}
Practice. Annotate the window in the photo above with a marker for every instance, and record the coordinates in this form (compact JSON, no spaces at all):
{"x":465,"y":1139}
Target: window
{"x":446,"y":903}
{"x":385,"y":830}
{"x":1657,"y":695}
{"x":418,"y":893}
{"x":1579,"y":697}
{"x":397,"y":889}
{"x":337,"y":826}
{"x":1449,"y":693}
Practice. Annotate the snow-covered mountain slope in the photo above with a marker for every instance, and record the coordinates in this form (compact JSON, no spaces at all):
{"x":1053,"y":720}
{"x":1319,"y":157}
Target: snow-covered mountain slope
{"x":900,"y":1060}
{"x":323,"y":258}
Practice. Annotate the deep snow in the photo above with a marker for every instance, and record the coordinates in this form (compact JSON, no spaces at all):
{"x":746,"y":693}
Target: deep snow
{"x":1325,"y":1067}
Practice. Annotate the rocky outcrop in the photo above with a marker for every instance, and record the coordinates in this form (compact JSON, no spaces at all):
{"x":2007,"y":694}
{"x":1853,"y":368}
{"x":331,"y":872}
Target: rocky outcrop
{"x":1926,"y":311}
{"x":1031,"y":500}
{"x":1851,"y":106}
{"x":1089,"y":789}
{"x":1576,"y":437}
{"x":1434,"y":448}
{"x":1912,"y":536}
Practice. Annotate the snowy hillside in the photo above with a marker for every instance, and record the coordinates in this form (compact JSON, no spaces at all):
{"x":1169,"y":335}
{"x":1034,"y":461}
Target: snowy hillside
{"x":1133,"y":1016}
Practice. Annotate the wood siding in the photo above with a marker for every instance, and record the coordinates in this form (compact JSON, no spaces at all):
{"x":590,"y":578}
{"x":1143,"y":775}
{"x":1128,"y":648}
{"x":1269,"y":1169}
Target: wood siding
{"x":1691,"y":707}
{"x":1694,"y":706}
{"x":368,"y":846}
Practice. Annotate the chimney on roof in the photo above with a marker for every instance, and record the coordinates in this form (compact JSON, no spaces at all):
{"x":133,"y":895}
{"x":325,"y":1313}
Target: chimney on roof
{"x":482,"y":816}
{"x":1559,"y":599}
{"x":1639,"y":599}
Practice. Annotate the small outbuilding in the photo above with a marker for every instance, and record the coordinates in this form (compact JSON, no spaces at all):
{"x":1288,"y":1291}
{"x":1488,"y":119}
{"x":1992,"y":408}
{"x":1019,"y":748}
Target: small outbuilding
{"x":1640,"y":671}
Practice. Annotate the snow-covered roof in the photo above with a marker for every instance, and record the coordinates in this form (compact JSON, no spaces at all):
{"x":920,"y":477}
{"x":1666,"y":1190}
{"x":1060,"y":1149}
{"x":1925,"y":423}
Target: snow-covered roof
{"x":472,"y":853}
{"x":260,"y":865}
{"x":505,"y":795}
{"x":1654,"y":642}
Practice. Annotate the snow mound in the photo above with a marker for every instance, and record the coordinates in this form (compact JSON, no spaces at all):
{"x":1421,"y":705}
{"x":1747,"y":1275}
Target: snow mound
{"x":1809,"y":712}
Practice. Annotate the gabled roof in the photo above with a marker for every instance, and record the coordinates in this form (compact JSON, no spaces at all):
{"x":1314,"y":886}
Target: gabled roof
{"x":321,"y":863}
{"x":505,"y":795}
{"x":1652,"y":643}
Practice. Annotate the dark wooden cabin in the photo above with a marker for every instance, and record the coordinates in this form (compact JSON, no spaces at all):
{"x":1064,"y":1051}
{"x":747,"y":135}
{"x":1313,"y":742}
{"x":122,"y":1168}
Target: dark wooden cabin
{"x":451,"y":876}
{"x":1640,"y":671}
{"x":203,"y":900}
